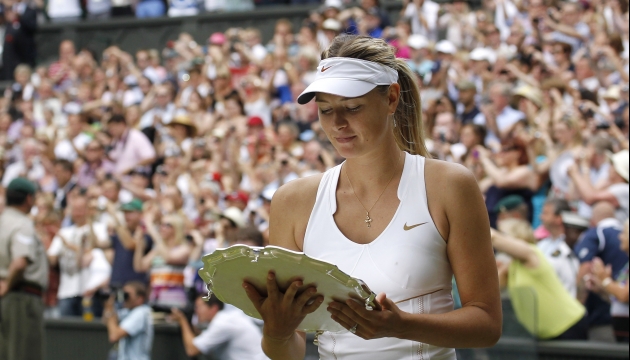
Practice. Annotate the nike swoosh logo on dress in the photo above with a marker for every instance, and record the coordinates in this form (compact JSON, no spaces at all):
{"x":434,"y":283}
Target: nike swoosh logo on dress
{"x":407,"y":228}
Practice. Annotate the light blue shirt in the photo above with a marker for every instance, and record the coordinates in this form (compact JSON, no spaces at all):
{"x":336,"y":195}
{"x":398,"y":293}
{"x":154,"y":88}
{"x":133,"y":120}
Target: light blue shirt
{"x":138,"y":325}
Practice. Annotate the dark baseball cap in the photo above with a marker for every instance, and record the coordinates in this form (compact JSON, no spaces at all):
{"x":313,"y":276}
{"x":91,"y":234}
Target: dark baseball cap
{"x":133,"y":205}
{"x":509,"y":203}
{"x":23,"y":185}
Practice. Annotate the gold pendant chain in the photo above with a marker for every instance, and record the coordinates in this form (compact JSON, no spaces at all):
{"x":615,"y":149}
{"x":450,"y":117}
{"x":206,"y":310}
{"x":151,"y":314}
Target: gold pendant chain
{"x":368,"y":219}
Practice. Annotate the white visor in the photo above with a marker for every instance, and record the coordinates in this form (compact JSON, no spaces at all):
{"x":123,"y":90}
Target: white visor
{"x":348,"y":77}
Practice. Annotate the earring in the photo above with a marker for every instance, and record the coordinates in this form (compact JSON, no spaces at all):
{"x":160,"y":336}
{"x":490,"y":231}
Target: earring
{"x":394,"y":120}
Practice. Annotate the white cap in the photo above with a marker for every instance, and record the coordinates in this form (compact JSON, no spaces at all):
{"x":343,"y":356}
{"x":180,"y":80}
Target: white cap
{"x":574,"y":220}
{"x":347,"y":77}
{"x":235,"y":215}
{"x":417,"y":41}
{"x":337,"y":4}
{"x":482,"y":54}
{"x":445,"y":47}
{"x":620,"y":163}
{"x":331,"y":24}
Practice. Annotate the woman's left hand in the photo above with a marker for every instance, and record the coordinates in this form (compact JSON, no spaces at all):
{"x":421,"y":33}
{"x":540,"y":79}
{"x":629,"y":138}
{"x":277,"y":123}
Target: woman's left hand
{"x":386,"y":322}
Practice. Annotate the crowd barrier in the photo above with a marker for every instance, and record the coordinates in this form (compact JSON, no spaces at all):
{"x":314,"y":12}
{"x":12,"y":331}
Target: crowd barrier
{"x":79,"y":340}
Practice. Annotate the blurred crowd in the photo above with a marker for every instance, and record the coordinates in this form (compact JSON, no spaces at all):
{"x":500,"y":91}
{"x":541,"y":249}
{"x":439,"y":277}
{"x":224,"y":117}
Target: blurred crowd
{"x":145,"y":161}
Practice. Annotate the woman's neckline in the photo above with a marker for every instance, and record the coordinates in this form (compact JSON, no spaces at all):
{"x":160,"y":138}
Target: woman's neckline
{"x":399,"y":194}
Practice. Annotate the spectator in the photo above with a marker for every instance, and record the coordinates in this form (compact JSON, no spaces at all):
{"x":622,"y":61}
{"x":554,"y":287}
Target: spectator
{"x":84,"y":268}
{"x":600,"y":241}
{"x":558,"y":315}
{"x":616,"y":290}
{"x":130,"y":147}
{"x":66,"y":182}
{"x":124,"y":243}
{"x":423,"y":15}
{"x":500,"y":116}
{"x":132,"y":327}
{"x":617,"y":193}
{"x":229,"y":335}
{"x":150,"y":9}
{"x":96,"y":165}
{"x":466,"y":108}
{"x":29,"y":166}
{"x":596,"y":161}
{"x":512,"y":207}
{"x":509,"y":175}
{"x":165,"y":262}
{"x":19,"y":36}
{"x":554,"y":246}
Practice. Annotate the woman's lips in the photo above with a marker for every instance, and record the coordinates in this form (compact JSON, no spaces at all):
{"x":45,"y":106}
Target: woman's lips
{"x":345,"y":139}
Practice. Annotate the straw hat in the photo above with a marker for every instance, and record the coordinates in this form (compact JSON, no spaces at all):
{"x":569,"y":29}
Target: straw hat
{"x":530,"y":93}
{"x":185,"y":120}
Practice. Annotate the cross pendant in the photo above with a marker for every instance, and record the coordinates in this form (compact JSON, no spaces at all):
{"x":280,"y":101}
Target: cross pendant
{"x":368,"y":220}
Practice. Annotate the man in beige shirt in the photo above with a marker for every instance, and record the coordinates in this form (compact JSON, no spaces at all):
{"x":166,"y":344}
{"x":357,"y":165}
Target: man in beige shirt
{"x":23,"y":276}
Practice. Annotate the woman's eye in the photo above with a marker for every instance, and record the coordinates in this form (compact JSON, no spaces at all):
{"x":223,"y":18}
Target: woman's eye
{"x":325,"y":111}
{"x":354,"y":109}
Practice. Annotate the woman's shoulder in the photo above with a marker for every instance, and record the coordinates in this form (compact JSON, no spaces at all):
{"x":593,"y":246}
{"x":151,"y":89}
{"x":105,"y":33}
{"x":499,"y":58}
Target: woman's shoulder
{"x":449,"y":173}
{"x":297,"y":193}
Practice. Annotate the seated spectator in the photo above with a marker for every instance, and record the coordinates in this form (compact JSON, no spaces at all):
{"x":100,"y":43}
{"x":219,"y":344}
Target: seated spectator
{"x":602,"y":241}
{"x":178,"y":8}
{"x":150,"y":9}
{"x":132,"y":327}
{"x":230,"y":333}
{"x":558,"y":315}
{"x":601,"y":281}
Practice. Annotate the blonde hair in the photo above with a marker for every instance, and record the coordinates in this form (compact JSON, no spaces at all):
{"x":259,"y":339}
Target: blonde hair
{"x":518,"y":228}
{"x":409,"y":131}
{"x":177,"y":222}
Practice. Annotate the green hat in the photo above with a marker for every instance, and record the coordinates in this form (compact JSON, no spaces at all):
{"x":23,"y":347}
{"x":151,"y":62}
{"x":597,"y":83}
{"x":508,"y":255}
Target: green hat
{"x":509,"y":203}
{"x":23,"y":185}
{"x":133,"y":205}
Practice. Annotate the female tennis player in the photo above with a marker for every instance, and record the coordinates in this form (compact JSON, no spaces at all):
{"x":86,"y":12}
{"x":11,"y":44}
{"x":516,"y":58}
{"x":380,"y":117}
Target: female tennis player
{"x":389,"y":215}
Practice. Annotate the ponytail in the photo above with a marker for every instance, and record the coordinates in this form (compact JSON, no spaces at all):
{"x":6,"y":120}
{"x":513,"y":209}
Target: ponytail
{"x":409,"y":129}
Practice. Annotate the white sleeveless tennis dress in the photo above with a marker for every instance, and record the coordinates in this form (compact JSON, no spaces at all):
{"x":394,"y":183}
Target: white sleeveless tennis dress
{"x":410,"y":266}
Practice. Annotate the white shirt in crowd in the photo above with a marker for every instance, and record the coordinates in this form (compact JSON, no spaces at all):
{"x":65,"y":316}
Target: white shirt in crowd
{"x":73,"y":280}
{"x":64,"y":149}
{"x":231,"y":335}
{"x":430,"y":11}
{"x":563,"y":260}
{"x":63,"y":8}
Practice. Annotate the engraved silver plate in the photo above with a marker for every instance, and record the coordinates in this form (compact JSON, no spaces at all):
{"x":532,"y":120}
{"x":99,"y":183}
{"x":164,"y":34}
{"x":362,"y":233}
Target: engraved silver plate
{"x":225,"y":270}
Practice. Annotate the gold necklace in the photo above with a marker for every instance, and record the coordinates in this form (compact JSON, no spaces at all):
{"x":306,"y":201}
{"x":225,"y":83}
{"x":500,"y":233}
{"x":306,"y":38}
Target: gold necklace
{"x":368,"y":219}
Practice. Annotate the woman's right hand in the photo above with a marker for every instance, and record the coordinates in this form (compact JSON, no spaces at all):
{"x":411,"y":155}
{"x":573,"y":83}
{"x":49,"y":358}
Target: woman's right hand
{"x":283,"y":312}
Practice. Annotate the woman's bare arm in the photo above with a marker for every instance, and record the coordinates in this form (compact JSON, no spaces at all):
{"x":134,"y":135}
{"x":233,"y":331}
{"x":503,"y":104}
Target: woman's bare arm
{"x":478,"y":323}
